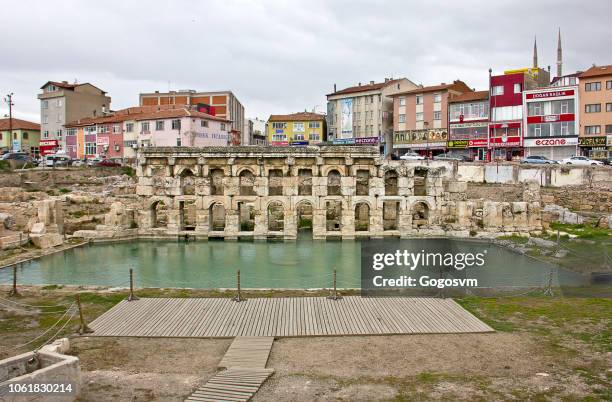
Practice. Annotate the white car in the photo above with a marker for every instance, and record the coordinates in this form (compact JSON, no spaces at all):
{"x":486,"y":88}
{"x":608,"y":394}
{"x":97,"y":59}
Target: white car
{"x":78,"y":163}
{"x":581,"y":160}
{"x":412,"y":156}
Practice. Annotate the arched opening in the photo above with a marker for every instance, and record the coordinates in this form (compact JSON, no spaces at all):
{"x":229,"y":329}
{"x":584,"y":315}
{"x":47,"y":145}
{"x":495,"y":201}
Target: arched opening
{"x":391,"y":182}
{"x":420,"y":181}
{"x":276,"y":216}
{"x":362,"y":184}
{"x":159,"y":211}
{"x":334,"y":181}
{"x":187,"y":212}
{"x":216,"y":217}
{"x":246,"y":216}
{"x":391,"y":215}
{"x":362,"y":217}
{"x":333,"y":215}
{"x":247,"y":182}
{"x":304,"y":215}
{"x":216,"y":181}
{"x":187,"y":182}
{"x":305,"y":182}
{"x":275,"y":182}
{"x":420,"y":215}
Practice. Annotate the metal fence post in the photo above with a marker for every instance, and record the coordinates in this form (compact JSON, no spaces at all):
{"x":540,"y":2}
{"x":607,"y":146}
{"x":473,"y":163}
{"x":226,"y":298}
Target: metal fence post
{"x":83,"y":328}
{"x":238,"y":297}
{"x":334,"y":295}
{"x":13,"y":292}
{"x":131,"y":296}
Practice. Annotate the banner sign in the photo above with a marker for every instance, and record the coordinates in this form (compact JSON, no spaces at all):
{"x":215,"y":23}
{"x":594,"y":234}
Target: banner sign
{"x":469,"y":125}
{"x":420,"y":136}
{"x":592,"y":141}
{"x":551,"y":118}
{"x":366,"y":140}
{"x":551,"y":94}
{"x":346,"y":117}
{"x":343,"y":141}
{"x":280,"y":143}
{"x":102,"y":140}
{"x":477,"y":143}
{"x":458,"y":144}
{"x":298,"y":143}
{"x":505,"y":141}
{"x":546,"y":142}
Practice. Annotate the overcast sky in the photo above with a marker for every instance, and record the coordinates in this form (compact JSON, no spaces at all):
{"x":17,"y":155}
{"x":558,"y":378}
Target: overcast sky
{"x":284,"y":56}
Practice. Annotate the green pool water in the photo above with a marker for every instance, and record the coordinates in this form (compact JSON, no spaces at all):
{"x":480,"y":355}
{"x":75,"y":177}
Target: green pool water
{"x":213,"y":264}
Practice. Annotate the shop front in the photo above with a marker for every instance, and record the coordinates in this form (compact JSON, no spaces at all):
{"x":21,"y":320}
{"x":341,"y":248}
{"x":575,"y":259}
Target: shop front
{"x":478,"y":149}
{"x":48,"y":147}
{"x":469,"y":139}
{"x":505,"y":141}
{"x":552,"y":148}
{"x":599,"y":147}
{"x":424,"y":142}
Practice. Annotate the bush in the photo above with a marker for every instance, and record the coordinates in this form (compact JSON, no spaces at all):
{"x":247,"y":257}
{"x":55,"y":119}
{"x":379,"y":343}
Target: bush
{"x":64,"y":190}
{"x":127,"y":170}
{"x":4,"y":166}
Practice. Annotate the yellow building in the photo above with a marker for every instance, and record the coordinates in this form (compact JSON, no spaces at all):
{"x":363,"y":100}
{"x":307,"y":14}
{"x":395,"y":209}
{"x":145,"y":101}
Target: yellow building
{"x":19,"y":136}
{"x":302,"y":128}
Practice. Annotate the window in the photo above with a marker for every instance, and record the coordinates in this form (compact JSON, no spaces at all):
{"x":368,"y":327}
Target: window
{"x":203,"y":123}
{"x":145,"y":126}
{"x":116,"y":128}
{"x":565,"y":107}
{"x":608,"y":84}
{"x":129,"y":127}
{"x":402,"y":101}
{"x":103,"y":129}
{"x":419,"y":116}
{"x":594,"y":108}
{"x":222,"y":126}
{"x":279,"y":137}
{"x":497,"y":90}
{"x":159,"y":125}
{"x":176,"y":124}
{"x":314,"y":137}
{"x":592,"y":86}
{"x":45,"y":134}
{"x":45,"y":119}
{"x":419,"y":99}
{"x":58,"y":134}
{"x":608,"y":128}
{"x":371,"y":98}
{"x":437,"y":98}
{"x":592,"y":129}
{"x":178,"y":142}
{"x":45,"y":104}
{"x":608,"y":107}
{"x":517,"y":88}
{"x":24,"y":136}
{"x":298,"y":127}
{"x":298,"y":137}
{"x":90,"y":129}
{"x":90,"y":148}
{"x":58,"y":103}
{"x":71,"y":131}
{"x":51,"y":88}
{"x":565,"y":128}
{"x":437,"y":115}
{"x":402,"y":118}
{"x":314,"y":124}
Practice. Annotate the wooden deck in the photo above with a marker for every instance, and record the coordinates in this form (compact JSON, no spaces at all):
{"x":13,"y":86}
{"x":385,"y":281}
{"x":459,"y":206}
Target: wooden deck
{"x":284,"y":317}
{"x":248,"y":351}
{"x":235,"y":385}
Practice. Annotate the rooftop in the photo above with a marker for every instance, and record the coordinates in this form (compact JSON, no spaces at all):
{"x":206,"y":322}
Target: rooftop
{"x":597,"y":71}
{"x":456,"y":85}
{"x":18,"y":124}
{"x":470,"y":96}
{"x":372,"y":86}
{"x":300,"y":116}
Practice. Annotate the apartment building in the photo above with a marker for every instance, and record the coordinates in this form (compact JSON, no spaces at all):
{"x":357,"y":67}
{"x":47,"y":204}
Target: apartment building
{"x":301,"y":128}
{"x":254,"y":132}
{"x":422,"y":117}
{"x":468,"y":122}
{"x":595,"y":88}
{"x":61,"y":102}
{"x":222,"y":104}
{"x":18,"y":135}
{"x":363,"y":114}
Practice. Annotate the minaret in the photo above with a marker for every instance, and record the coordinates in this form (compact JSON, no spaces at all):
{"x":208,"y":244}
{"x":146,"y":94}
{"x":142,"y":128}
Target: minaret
{"x":559,"y":56}
{"x":535,"y":52}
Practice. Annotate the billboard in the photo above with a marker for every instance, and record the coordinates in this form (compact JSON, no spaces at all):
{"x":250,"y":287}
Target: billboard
{"x":346,"y":118}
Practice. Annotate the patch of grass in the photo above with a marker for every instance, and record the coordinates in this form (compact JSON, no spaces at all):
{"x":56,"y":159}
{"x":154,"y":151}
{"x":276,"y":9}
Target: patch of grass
{"x":514,"y":238}
{"x":127,"y":170}
{"x":78,"y":214}
{"x":583,"y":231}
{"x":64,"y":190}
{"x":5,"y":166}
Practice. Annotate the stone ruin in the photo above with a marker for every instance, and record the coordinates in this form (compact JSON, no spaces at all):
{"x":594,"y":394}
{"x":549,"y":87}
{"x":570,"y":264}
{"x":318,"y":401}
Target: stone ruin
{"x":336,"y":192}
{"x":47,"y":230}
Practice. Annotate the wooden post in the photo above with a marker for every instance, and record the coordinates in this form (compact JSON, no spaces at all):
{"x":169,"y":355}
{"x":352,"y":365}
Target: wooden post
{"x":83,"y":328}
{"x":238,"y":297}
{"x":334,"y":295}
{"x":549,"y":288}
{"x":13,"y":292}
{"x":131,"y":296}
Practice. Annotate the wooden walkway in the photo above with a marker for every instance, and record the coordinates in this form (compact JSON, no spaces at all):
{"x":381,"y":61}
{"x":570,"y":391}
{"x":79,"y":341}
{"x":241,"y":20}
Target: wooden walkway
{"x":245,"y":361}
{"x":284,"y":317}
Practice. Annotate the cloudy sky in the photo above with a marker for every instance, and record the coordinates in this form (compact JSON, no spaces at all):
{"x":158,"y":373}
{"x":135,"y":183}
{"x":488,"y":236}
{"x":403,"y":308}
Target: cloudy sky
{"x":284,"y":56}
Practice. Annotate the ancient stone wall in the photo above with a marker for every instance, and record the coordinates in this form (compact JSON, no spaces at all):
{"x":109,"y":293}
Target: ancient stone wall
{"x":338,"y":192}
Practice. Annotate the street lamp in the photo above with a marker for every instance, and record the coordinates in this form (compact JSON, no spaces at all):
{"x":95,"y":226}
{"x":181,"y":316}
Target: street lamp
{"x":426,"y":124}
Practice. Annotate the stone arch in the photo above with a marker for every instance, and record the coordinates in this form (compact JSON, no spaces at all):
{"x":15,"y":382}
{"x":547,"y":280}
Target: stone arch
{"x":241,"y":169}
{"x":327,"y":168}
{"x":362,"y":182}
{"x":333,"y":215}
{"x":334,"y":182}
{"x":362,"y":216}
{"x":420,"y":180}
{"x":275,"y":182}
{"x":159,"y":213}
{"x":420,"y":214}
{"x":216,"y":216}
{"x":391,"y":182}
{"x":304,"y":213}
{"x":247,"y":182}
{"x":304,"y":181}
{"x":216,"y":176}
{"x":187,"y":180}
{"x":276,"y":216}
{"x":188,"y":214}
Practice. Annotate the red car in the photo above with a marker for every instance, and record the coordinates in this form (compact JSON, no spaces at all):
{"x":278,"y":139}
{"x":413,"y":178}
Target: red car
{"x":107,"y":163}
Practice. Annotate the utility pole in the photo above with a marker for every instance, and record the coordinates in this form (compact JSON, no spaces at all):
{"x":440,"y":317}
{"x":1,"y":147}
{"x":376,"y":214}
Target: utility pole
{"x":9,"y":99}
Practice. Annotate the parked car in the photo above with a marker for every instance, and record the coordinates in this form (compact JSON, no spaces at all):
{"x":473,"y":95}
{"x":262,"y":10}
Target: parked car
{"x":538,"y":159}
{"x":78,"y":163}
{"x":18,"y":159}
{"x":54,"y":160}
{"x":93,"y":161}
{"x":449,"y":156}
{"x":581,"y":160}
{"x":107,"y":163}
{"x":412,"y":156}
{"x":606,"y":161}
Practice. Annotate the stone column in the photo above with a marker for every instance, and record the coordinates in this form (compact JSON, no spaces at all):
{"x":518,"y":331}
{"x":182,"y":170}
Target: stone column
{"x":261,"y":225}
{"x":348,"y":222}
{"x":290,"y":224}
{"x":318,"y":223}
{"x":231,"y":224}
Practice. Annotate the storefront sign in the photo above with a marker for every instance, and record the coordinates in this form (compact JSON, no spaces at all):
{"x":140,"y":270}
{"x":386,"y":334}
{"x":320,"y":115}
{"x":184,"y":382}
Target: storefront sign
{"x":552,"y":94}
{"x":366,"y":140}
{"x":551,"y":118}
{"x":344,"y":141}
{"x":280,"y":143}
{"x":47,"y":146}
{"x":457,"y":144}
{"x":420,"y":136}
{"x":298,"y":143}
{"x":102,"y":140}
{"x":592,"y":141}
{"x":469,"y":125}
{"x":477,"y":143}
{"x":505,"y":141}
{"x":546,"y":142}
{"x":431,"y":145}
